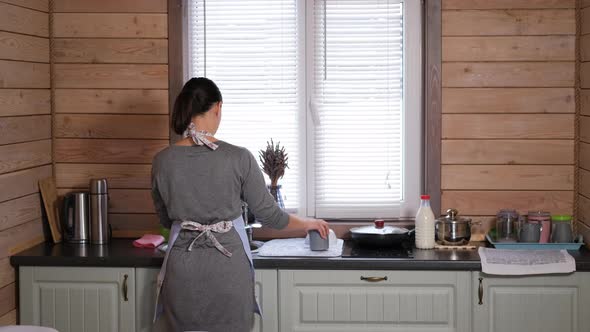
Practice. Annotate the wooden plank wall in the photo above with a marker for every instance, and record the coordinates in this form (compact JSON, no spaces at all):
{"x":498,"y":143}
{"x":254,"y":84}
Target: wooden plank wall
{"x":111,"y":101}
{"x":25,"y":134}
{"x":508,"y":106}
{"x":583,"y":212}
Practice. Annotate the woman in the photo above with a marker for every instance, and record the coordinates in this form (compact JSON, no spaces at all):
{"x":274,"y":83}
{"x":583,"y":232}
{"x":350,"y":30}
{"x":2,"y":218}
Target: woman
{"x":198,"y":185}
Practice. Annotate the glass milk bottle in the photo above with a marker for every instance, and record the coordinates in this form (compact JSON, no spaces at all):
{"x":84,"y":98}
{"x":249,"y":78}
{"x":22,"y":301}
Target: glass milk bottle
{"x":425,"y":224}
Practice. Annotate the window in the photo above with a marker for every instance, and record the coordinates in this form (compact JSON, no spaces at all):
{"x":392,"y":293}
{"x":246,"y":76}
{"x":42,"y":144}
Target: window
{"x":337,"y":82}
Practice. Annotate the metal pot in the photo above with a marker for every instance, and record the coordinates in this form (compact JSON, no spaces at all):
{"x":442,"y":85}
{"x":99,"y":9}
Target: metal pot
{"x":379,"y":235}
{"x":453,"y":230}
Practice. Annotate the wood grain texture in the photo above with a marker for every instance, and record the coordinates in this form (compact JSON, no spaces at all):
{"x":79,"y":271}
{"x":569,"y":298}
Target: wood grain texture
{"x":509,"y":48}
{"x":585,"y":17}
{"x":508,"y":126}
{"x":25,"y":128}
{"x":110,"y":151}
{"x":508,"y":74}
{"x":510,"y":152}
{"x":110,"y":25}
{"x":584,"y":128}
{"x":7,"y":275}
{"x":585,"y":74}
{"x":24,"y":102}
{"x":585,"y":48}
{"x":110,"y":50}
{"x":585,"y":3}
{"x":8,"y":318}
{"x":508,"y":22}
{"x":15,"y":74}
{"x":7,"y":299}
{"x":432,"y":100}
{"x":584,"y":209}
{"x":507,"y":4}
{"x":22,"y":183}
{"x":111,"y":126}
{"x":508,"y":100}
{"x":133,"y":225}
{"x":131,"y":201}
{"x":23,"y":20}
{"x":111,"y":76}
{"x":110,"y":6}
{"x":15,"y":46}
{"x":111,"y":101}
{"x":21,"y":237}
{"x":118,"y":176}
{"x":19,"y":211}
{"x":48,"y":192}
{"x":490,"y":202}
{"x":40,"y":5}
{"x":585,"y":102}
{"x":584,"y":155}
{"x":14,"y":157}
{"x":584,"y":181}
{"x":507,"y":177}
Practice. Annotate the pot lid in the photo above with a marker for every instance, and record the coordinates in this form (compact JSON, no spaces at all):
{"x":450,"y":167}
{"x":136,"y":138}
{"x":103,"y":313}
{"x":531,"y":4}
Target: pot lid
{"x":453,"y":217}
{"x":374,"y":230}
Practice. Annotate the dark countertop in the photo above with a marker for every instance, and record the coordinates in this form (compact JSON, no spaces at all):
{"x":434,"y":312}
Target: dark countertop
{"x":121,"y":253}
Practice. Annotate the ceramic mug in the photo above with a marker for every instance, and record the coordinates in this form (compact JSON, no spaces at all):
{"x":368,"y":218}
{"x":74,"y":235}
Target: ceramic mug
{"x":530,"y":232}
{"x":316,"y":243}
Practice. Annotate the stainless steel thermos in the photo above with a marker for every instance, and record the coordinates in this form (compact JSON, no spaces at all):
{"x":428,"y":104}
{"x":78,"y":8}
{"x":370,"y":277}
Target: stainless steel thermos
{"x":99,"y":221}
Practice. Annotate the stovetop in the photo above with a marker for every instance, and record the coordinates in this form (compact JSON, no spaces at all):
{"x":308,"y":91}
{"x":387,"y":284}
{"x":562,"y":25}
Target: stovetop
{"x":352,"y":250}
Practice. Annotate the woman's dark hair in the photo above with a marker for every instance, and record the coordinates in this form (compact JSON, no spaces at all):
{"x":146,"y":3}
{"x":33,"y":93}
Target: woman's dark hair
{"x":196,"y":97}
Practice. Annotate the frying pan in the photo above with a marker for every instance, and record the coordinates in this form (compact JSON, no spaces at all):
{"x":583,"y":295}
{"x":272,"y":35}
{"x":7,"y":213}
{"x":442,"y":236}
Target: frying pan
{"x":379,"y":235}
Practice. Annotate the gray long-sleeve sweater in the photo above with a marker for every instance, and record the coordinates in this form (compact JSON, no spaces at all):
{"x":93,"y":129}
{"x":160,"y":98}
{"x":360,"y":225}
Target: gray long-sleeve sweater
{"x":206,"y":186}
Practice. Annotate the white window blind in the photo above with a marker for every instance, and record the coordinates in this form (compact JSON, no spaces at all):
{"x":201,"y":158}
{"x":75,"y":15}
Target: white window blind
{"x":337,"y":82}
{"x":250,"y":49}
{"x":358,"y":102}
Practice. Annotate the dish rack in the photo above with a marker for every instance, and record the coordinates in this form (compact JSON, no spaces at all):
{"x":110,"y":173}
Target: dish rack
{"x":533,"y":246}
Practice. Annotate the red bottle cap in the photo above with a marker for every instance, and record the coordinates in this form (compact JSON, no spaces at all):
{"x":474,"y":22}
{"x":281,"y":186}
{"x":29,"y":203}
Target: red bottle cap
{"x":425,"y":197}
{"x":379,"y":223}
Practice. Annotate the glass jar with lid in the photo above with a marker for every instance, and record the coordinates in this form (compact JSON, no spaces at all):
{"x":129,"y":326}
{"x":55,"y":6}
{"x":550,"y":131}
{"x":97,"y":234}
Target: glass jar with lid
{"x":507,"y":225}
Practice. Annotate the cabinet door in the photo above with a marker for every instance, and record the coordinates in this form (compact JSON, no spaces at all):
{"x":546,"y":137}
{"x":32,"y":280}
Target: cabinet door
{"x":145,"y":288}
{"x":267,"y":294}
{"x":531,"y":303}
{"x":405,"y":301}
{"x":78,"y":299}
{"x":265,"y":288}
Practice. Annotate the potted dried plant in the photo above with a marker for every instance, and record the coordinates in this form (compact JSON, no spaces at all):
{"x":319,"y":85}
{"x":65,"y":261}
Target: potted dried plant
{"x":274,"y":161}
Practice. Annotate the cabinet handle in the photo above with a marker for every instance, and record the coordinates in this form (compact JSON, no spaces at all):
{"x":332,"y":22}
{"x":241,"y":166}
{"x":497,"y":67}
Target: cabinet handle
{"x":125,"y":288}
{"x":480,"y":291}
{"x":373,"y":279}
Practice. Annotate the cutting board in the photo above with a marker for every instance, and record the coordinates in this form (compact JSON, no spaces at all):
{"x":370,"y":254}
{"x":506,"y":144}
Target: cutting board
{"x":49,"y":195}
{"x":297,"y":248}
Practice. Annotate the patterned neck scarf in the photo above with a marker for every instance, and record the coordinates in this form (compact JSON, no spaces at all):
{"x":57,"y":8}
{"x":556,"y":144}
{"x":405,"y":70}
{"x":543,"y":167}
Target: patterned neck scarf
{"x":199,"y":136}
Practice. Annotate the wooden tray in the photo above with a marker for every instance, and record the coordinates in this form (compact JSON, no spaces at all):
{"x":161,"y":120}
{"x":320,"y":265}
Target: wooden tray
{"x":534,"y":246}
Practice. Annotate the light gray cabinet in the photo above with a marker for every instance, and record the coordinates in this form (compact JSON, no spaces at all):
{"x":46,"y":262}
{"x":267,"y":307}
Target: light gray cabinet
{"x":531,"y":303}
{"x":73,"y":299}
{"x":374,"y":301}
{"x":265,"y":288}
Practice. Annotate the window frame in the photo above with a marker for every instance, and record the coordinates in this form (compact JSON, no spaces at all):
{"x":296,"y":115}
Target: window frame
{"x":430,"y":137}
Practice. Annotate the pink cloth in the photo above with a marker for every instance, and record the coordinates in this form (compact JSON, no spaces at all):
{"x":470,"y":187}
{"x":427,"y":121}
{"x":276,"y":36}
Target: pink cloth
{"x":148,"y":241}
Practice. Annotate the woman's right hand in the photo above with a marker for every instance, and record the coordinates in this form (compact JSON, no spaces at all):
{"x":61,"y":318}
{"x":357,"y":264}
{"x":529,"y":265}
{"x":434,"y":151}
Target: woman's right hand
{"x":319,"y":225}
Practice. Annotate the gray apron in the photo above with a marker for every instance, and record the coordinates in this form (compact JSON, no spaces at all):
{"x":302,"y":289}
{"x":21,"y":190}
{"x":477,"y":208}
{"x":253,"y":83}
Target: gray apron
{"x":207,"y":231}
